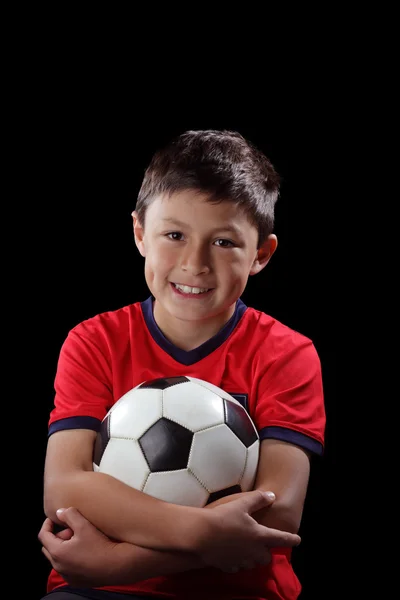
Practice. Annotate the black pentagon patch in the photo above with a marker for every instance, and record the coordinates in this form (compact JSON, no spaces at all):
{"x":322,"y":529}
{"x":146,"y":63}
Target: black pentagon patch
{"x":102,"y":439}
{"x":235,"y":489}
{"x":166,"y":446}
{"x":163,"y":383}
{"x":239,"y":421}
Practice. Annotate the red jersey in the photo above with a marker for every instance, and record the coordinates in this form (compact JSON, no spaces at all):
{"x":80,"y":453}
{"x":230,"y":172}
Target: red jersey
{"x":272,"y":370}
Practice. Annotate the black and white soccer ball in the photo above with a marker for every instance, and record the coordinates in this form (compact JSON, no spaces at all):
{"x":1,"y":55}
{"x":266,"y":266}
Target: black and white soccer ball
{"x":179,"y":439}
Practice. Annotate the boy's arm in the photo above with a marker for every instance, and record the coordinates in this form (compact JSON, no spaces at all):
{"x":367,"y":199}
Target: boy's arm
{"x":90,"y":559}
{"x":223,"y":537}
{"x":285,"y":469}
{"x":85,"y":557}
{"x":118,"y":510}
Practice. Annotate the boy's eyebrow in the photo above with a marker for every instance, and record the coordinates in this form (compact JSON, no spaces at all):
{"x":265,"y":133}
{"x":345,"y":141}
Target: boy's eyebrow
{"x":226,"y":227}
{"x":174,"y":221}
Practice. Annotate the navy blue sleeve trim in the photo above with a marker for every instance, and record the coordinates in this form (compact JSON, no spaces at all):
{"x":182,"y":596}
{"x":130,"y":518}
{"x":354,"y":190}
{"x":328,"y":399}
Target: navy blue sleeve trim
{"x":292,"y":437}
{"x":75,"y":423}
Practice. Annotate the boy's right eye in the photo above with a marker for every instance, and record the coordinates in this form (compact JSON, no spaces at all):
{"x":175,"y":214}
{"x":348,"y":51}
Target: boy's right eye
{"x":175,"y":235}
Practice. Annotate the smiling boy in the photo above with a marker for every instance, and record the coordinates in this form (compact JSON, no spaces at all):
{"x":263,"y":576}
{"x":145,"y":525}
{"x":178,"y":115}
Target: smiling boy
{"x":199,"y":256}
{"x":203,"y":223}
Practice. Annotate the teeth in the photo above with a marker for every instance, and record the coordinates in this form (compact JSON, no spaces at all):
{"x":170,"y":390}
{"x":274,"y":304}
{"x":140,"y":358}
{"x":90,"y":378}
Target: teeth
{"x":186,"y":289}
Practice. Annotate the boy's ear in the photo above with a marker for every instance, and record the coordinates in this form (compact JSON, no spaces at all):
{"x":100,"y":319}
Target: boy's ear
{"x":138,"y":232}
{"x":264,"y":254}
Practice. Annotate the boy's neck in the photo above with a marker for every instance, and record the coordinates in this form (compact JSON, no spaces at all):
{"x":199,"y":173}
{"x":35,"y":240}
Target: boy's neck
{"x":188,"y":335}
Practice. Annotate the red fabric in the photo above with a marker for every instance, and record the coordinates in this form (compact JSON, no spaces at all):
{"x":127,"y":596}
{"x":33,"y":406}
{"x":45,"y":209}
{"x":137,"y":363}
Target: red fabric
{"x":278,"y":370}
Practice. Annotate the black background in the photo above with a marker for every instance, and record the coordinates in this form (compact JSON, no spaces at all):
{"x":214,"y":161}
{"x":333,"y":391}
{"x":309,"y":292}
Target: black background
{"x":84,"y":149}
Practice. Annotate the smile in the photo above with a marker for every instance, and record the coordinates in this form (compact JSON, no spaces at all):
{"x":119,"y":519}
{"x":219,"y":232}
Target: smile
{"x":187,"y":290}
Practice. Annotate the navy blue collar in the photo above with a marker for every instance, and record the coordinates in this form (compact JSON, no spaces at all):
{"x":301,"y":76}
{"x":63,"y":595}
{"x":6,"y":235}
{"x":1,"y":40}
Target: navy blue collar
{"x":192,"y":356}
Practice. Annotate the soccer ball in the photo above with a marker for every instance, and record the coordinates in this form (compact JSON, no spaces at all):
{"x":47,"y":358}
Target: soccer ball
{"x":179,"y":439}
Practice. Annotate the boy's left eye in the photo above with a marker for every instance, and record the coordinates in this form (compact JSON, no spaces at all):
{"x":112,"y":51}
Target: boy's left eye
{"x":224,"y":243}
{"x":175,"y":235}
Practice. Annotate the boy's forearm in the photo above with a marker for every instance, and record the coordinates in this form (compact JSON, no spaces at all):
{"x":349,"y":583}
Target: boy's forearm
{"x":277,"y":516}
{"x":133,"y":563}
{"x":125,"y":514}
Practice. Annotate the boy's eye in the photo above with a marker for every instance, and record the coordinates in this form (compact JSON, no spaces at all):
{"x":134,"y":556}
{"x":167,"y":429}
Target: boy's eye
{"x":174,"y":235}
{"x":224,"y":243}
{"x":177,"y":236}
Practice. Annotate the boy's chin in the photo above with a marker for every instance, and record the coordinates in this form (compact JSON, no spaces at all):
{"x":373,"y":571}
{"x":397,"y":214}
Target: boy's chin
{"x":198,"y":313}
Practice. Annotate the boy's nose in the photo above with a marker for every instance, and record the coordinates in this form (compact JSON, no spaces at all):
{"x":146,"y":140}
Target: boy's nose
{"x":195,"y":261}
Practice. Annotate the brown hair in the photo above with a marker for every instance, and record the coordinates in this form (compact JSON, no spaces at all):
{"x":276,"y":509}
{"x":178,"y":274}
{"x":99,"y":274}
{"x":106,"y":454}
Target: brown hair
{"x":222,"y":164}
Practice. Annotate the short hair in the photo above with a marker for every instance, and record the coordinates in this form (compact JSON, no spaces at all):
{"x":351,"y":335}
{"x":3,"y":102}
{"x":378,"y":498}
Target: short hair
{"x":223,"y":165}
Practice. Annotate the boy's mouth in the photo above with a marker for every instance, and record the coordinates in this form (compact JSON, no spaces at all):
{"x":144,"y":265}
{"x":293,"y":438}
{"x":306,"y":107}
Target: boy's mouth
{"x":189,"y":290}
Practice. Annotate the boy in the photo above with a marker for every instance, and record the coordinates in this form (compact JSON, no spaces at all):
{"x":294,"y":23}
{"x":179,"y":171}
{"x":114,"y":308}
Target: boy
{"x":203,"y":223}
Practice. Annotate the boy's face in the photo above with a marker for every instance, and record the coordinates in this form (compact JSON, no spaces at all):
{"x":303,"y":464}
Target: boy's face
{"x":198,"y":255}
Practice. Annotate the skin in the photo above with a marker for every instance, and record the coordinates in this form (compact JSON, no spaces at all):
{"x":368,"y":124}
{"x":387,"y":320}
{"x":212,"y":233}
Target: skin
{"x":189,"y":241}
{"x":87,"y":558}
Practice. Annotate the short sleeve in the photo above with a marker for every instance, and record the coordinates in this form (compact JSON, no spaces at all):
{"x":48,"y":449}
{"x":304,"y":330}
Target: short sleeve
{"x":290,"y":404}
{"x":83,"y":383}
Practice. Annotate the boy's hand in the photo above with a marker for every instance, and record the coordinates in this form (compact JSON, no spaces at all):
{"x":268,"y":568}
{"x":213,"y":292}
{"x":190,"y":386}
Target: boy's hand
{"x":235,"y":540}
{"x":80,"y":553}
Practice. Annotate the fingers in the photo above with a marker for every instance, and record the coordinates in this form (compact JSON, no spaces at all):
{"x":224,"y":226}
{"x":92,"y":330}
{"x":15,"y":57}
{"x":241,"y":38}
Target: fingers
{"x":50,"y":544}
{"x":71,"y":517}
{"x":65,"y":534}
{"x":47,"y":525}
{"x":277,"y":538}
{"x":47,"y":555}
{"x":46,"y":530}
{"x":256,"y":500}
{"x":46,"y":535}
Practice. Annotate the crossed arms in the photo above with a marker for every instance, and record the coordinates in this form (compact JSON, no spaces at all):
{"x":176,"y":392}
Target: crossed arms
{"x":115,"y":534}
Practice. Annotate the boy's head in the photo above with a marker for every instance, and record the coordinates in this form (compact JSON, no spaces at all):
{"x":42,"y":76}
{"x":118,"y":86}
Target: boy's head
{"x":222,"y":165}
{"x":203,"y":222}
